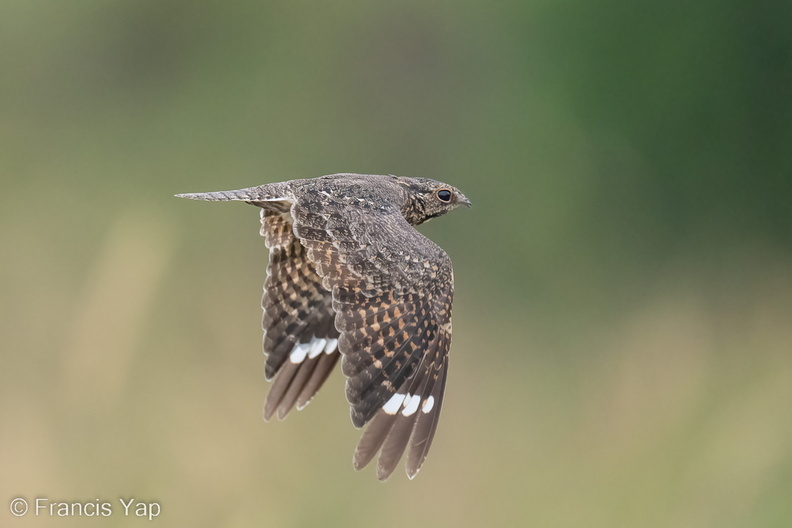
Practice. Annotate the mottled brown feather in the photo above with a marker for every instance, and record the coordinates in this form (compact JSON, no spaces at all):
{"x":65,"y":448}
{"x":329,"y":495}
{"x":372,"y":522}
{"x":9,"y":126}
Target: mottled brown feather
{"x":296,"y":309}
{"x":392,"y":305}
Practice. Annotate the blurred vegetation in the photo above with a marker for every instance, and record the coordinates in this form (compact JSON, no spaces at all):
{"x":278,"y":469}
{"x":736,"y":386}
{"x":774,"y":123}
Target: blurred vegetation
{"x":624,"y":295}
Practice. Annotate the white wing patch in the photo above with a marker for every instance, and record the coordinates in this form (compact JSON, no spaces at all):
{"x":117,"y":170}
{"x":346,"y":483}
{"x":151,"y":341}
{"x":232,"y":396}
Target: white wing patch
{"x":312,"y":349}
{"x":394,"y":404}
{"x":332,"y":345}
{"x":411,"y":404}
{"x":317,"y":347}
{"x":408,"y":404}
{"x":299,"y":352}
{"x":428,"y":404}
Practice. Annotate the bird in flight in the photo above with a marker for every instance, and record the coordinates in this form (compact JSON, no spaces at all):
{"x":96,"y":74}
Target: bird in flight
{"x":350,"y":277}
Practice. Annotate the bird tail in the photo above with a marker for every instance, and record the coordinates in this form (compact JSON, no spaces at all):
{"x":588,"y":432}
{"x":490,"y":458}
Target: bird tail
{"x":262,"y":193}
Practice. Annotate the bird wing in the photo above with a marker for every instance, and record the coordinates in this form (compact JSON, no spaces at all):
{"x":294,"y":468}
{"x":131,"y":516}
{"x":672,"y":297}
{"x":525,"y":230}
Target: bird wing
{"x":392,"y":290}
{"x":300,"y":339}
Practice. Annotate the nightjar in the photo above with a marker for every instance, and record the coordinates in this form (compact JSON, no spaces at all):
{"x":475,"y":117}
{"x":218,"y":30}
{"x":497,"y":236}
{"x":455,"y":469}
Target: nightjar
{"x":350,"y":277}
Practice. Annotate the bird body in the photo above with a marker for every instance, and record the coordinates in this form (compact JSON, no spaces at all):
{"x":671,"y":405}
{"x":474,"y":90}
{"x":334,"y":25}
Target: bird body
{"x":349,"y":276}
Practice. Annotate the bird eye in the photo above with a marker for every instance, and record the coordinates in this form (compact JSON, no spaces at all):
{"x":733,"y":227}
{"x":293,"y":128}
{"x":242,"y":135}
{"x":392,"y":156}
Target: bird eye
{"x":444,"y":195}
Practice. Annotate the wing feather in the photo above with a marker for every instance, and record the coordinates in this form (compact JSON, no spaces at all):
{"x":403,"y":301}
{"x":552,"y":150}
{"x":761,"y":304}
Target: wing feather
{"x":392,"y":290}
{"x":298,"y":318}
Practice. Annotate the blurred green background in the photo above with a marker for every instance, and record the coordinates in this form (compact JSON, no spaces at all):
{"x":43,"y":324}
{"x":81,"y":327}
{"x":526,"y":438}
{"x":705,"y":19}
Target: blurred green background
{"x":623,"y":317}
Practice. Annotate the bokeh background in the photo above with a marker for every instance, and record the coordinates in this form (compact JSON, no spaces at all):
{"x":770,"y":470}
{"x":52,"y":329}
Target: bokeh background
{"x":623,"y":323}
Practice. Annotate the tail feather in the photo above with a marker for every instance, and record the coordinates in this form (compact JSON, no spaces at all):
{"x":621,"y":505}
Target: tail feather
{"x":262,"y":193}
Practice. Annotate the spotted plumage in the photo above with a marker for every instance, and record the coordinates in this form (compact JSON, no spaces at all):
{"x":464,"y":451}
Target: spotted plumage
{"x":348,"y":274}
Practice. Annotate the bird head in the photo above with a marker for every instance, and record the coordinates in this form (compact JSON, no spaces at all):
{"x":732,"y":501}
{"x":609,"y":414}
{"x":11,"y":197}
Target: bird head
{"x":427,"y":199}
